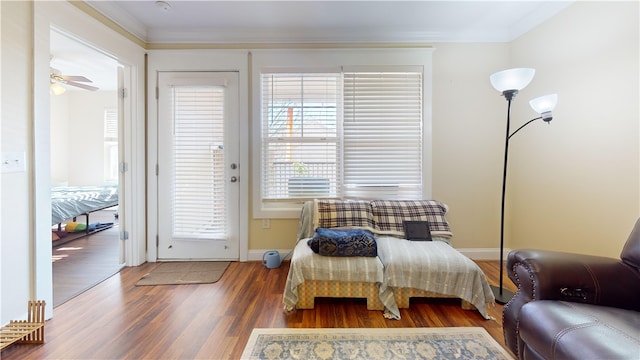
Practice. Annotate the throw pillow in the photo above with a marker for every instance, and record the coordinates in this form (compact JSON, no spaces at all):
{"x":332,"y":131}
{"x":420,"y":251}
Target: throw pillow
{"x":352,"y":242}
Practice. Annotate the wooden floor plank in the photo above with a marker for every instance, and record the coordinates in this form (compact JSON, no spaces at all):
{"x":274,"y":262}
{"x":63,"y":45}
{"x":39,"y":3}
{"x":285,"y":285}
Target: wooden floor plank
{"x":118,"y":320}
{"x":86,"y":261}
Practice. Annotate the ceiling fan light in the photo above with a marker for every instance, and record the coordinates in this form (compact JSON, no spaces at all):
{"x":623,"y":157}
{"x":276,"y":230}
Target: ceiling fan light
{"x":512,"y":79}
{"x":57,"y":89}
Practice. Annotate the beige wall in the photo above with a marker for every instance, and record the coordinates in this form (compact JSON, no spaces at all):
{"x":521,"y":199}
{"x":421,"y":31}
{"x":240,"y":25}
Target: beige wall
{"x":575,"y":183}
{"x":572,"y":185}
{"x":468,"y":125}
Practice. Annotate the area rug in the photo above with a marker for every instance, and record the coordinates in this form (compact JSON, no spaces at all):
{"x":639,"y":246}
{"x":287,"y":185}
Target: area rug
{"x":388,"y":343}
{"x":185,"y":272}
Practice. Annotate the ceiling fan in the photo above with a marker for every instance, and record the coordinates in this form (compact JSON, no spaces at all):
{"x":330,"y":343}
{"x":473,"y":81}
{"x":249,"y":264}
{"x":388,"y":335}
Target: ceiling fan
{"x":57,"y":77}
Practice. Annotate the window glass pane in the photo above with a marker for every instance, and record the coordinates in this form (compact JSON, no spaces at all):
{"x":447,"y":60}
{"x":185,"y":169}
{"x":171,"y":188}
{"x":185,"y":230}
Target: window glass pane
{"x":300,"y":123}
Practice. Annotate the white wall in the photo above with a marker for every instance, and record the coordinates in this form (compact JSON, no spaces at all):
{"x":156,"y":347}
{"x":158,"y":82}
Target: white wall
{"x":77,"y":136}
{"x":60,"y":140}
{"x":25,"y":245}
{"x":16,"y":189}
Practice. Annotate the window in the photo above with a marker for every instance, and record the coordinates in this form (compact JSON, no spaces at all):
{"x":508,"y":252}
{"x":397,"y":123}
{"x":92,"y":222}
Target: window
{"x":111,"y":145}
{"x":353,"y":131}
{"x":198,"y":176}
{"x":382,"y":135}
{"x":299,"y":140}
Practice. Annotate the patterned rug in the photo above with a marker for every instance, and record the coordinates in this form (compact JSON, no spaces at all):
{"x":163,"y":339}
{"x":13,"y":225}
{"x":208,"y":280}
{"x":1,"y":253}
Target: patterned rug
{"x":390,"y":343}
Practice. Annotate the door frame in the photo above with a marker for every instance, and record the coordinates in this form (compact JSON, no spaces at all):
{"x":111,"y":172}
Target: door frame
{"x":197,"y":60}
{"x":189,"y":246}
{"x":69,"y":19}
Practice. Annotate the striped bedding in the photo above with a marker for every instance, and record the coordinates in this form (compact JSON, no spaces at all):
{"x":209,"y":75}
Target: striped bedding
{"x":436,"y":267}
{"x":430,"y":266}
{"x":307,"y":265}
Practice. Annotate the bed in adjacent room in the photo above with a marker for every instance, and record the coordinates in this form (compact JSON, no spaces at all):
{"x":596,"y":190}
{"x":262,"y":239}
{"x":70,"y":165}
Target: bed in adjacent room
{"x":69,"y":202}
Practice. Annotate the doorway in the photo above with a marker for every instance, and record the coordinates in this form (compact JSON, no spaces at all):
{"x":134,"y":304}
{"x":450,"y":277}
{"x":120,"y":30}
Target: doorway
{"x":84,"y":123}
{"x":198,"y":167}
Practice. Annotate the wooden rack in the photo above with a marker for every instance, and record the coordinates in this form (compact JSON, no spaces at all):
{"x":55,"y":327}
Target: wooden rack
{"x":30,"y":331}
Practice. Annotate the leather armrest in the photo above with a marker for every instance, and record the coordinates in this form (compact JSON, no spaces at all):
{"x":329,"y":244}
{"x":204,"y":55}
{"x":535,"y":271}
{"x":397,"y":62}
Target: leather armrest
{"x":548,"y":275}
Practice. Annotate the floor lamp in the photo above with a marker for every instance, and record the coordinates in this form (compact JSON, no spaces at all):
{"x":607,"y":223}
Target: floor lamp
{"x":509,"y":82}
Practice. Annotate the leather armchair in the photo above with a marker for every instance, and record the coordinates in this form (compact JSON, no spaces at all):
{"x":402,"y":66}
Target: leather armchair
{"x":574,"y":306}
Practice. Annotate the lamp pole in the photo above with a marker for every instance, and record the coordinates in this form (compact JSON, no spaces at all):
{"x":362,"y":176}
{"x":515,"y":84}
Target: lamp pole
{"x":503,"y":296}
{"x":509,"y":82}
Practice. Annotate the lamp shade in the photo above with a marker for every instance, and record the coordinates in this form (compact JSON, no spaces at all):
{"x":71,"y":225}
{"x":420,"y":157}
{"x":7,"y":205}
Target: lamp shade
{"x":512,"y":79}
{"x":544,"y":104}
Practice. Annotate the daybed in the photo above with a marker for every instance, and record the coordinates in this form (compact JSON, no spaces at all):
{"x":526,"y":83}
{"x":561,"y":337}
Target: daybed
{"x":68,"y":202}
{"x":402,"y":269}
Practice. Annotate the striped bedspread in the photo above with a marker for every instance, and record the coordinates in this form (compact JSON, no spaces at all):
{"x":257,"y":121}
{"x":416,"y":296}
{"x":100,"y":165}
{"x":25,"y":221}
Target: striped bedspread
{"x":70,"y":201}
{"x":434,"y":266}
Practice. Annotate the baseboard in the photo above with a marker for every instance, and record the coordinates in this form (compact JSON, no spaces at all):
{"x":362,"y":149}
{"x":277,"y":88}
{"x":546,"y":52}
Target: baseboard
{"x":471,"y":253}
{"x":484,"y":253}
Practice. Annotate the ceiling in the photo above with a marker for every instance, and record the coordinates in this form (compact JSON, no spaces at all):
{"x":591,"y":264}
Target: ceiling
{"x":302,"y":21}
{"x":241,"y":21}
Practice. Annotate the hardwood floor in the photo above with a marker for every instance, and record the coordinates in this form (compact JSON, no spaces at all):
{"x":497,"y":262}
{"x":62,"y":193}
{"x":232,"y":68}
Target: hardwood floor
{"x":86,"y":261}
{"x":117,"y":320}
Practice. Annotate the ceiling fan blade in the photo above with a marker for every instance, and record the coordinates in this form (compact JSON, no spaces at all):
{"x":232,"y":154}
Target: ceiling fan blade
{"x":82,"y":86}
{"x":74,"y":78}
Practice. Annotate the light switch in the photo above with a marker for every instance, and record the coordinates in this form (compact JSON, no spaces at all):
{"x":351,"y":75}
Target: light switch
{"x":13,"y":162}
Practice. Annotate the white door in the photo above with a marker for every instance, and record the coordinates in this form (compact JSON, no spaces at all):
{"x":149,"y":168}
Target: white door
{"x":198,"y":170}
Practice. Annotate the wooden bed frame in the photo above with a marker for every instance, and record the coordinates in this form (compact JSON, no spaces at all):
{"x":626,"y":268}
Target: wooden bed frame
{"x":311,"y":289}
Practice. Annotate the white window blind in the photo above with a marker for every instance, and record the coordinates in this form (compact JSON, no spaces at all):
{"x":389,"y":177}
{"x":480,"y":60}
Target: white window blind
{"x":356,"y":134}
{"x":299,"y":139}
{"x":110,"y":145}
{"x":111,"y":124}
{"x":198,"y":165}
{"x":383,"y":135}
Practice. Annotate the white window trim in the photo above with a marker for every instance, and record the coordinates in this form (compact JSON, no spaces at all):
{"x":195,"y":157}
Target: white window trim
{"x":306,"y":60}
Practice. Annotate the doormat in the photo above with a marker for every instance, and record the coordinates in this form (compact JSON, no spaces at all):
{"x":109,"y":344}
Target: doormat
{"x":361,"y":343}
{"x":184,"y":273}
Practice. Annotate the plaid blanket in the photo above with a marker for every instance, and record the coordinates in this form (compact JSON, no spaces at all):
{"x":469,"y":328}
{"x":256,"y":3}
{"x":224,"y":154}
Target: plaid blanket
{"x":345,"y":214}
{"x":389,"y":216}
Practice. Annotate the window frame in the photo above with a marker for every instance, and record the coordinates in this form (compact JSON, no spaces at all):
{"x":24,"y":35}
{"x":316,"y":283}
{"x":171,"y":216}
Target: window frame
{"x":331,"y":60}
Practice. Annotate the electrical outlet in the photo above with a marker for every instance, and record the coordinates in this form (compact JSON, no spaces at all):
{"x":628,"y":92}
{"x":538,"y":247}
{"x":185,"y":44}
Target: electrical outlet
{"x":266,"y":223}
{"x":13,"y":162}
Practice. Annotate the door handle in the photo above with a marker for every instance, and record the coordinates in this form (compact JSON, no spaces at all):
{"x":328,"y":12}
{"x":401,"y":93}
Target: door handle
{"x":234,"y":179}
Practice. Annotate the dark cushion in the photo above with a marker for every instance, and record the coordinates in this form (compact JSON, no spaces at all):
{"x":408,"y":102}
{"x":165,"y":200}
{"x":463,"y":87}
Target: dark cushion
{"x":335,"y":242}
{"x":631,"y":251}
{"x":567,"y":330}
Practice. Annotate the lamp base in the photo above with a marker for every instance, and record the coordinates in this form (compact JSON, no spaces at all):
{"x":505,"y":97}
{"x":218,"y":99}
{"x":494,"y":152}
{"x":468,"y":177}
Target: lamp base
{"x":502,"y":297}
